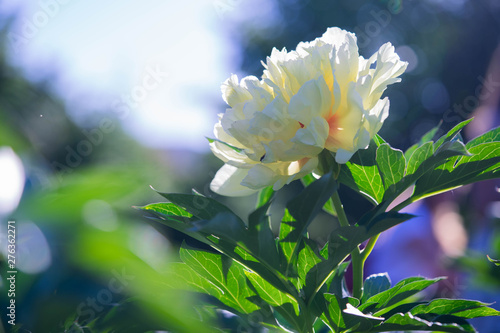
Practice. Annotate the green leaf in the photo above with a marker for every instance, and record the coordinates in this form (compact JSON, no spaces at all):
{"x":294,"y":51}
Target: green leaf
{"x":232,"y":239}
{"x":287,"y":247}
{"x":342,"y":241}
{"x":426,"y":157}
{"x":425,"y":138}
{"x":202,"y":231}
{"x":453,"y":146}
{"x":401,"y":291}
{"x":269,"y":273}
{"x":180,"y":223}
{"x":202,"y":207}
{"x":421,"y":154}
{"x":490,"y":136}
{"x":378,"y":140}
{"x":328,"y":207}
{"x":287,"y":319}
{"x":327,"y":163}
{"x":269,"y":293}
{"x":307,"y":259}
{"x":230,"y":280}
{"x":337,"y":284}
{"x":495,"y":261}
{"x":403,"y":307}
{"x":260,"y":238}
{"x":438,"y":157}
{"x":226,"y":226}
{"x":334,"y":284}
{"x":408,"y":322}
{"x":451,"y":134}
{"x":236,"y":149}
{"x":335,"y":316}
{"x":181,"y":276}
{"x":342,"y":315}
{"x":423,"y":162}
{"x":375,"y":284}
{"x":252,"y":248}
{"x":479,"y":312}
{"x":265,"y":196}
{"x":305,"y":207}
{"x":362,"y":175}
{"x":308,"y":179}
{"x":168,"y":209}
{"x":391,"y":163}
{"x":345,"y":239}
{"x":353,"y":311}
{"x":483,"y":164}
{"x":456,"y":307}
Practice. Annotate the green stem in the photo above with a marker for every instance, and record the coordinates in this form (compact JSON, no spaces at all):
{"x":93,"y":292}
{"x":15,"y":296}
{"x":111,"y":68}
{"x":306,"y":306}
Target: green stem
{"x":324,"y":281}
{"x":356,"y":257}
{"x":357,"y":273}
{"x":309,"y":323}
{"x":369,"y":247}
{"x":337,"y":204}
{"x":358,"y":266}
{"x":344,"y":222}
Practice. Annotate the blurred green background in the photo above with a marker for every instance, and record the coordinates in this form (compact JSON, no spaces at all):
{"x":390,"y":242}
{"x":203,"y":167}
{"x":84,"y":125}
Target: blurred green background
{"x":100,"y":100}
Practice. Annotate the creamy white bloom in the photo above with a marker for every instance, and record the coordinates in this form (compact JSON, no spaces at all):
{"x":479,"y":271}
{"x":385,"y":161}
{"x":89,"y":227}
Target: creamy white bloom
{"x":322,"y":95}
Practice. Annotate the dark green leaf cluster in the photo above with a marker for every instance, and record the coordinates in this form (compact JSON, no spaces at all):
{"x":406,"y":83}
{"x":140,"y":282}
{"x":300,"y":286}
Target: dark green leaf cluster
{"x":289,"y":283}
{"x":382,"y":173}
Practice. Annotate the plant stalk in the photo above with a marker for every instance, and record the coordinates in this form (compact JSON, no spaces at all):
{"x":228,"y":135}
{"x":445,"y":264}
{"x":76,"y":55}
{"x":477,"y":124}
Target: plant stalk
{"x":356,"y":256}
{"x":310,"y":325}
{"x":357,"y":273}
{"x":339,"y":208}
{"x":369,"y":247}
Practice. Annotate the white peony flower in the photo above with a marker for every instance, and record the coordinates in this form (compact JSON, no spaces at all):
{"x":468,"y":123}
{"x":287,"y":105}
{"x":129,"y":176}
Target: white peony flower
{"x":322,"y":95}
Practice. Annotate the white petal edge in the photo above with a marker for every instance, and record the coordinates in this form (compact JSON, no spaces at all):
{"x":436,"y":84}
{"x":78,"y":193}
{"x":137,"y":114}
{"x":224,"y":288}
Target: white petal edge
{"x":343,"y":156}
{"x":227,"y":181}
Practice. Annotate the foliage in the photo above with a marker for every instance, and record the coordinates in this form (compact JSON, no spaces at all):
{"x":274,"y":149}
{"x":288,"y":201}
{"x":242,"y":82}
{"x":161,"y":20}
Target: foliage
{"x":293,"y":284}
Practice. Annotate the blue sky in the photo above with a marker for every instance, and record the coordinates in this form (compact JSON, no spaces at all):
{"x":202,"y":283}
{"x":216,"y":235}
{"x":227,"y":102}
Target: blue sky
{"x":103,"y":50}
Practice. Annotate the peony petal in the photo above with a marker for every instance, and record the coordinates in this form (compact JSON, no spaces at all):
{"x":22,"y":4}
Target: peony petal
{"x":221,"y":135}
{"x":313,"y":99}
{"x":343,"y":156}
{"x":362,"y":139}
{"x":233,"y":93}
{"x":345,"y":57}
{"x":227,"y":181}
{"x":388,"y":68}
{"x":345,"y":123}
{"x":314,"y":135}
{"x":259,"y":176}
{"x":376,"y":116}
{"x":228,"y":155}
